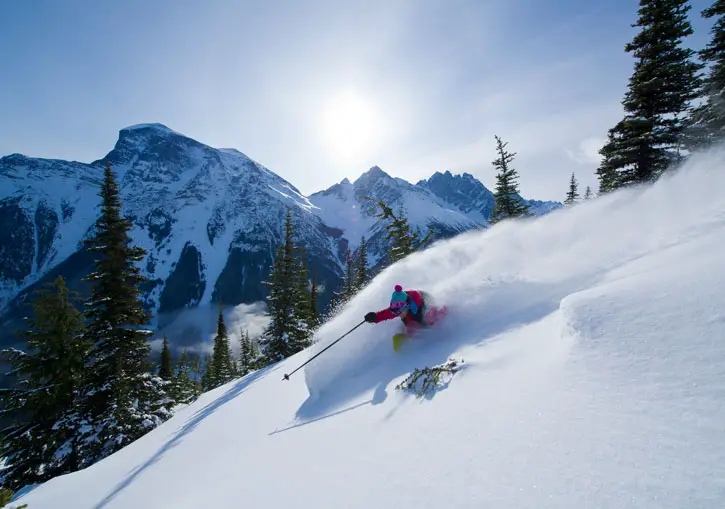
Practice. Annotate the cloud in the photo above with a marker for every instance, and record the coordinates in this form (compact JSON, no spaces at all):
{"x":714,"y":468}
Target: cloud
{"x":252,"y":318}
{"x":587,"y":152}
{"x":194,"y":329}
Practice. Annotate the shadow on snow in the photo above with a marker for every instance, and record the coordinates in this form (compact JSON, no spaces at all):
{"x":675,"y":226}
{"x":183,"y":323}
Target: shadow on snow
{"x":235,"y":390}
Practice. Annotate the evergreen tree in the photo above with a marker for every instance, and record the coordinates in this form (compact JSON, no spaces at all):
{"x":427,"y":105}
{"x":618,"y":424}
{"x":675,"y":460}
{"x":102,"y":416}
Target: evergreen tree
{"x":348,"y":281}
{"x":509,"y":203}
{"x":403,"y":241}
{"x":204,"y":366}
{"x":573,"y":195}
{"x":122,"y":399}
{"x":301,"y":335}
{"x":165,"y":370}
{"x":706,"y":126}
{"x":196,"y":367}
{"x":245,"y":354}
{"x":41,"y":414}
{"x":665,"y":79}
{"x":362,"y":273}
{"x":258,"y":358}
{"x":303,"y":310}
{"x":185,"y":387}
{"x":286,"y":333}
{"x":220,"y":369}
{"x":588,"y":193}
{"x":607,"y":171}
{"x":345,"y":291}
{"x":314,"y":314}
{"x":356,"y":270}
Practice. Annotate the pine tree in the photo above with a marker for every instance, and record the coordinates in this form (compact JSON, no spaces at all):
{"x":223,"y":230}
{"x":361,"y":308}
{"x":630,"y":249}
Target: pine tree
{"x":706,"y":126}
{"x":122,"y":399}
{"x":279,"y":302}
{"x":588,"y":193}
{"x":348,"y":281}
{"x":314,"y":314}
{"x":245,"y":354}
{"x":573,"y":195}
{"x":345,"y":291}
{"x":301,"y":335}
{"x":607,"y":171}
{"x":258,"y":358}
{"x":356,"y":270}
{"x":185,"y":388}
{"x":362,"y":273}
{"x":286,"y":333}
{"x":41,"y":412}
{"x":165,"y":370}
{"x":196,"y":369}
{"x":204,"y":366}
{"x":665,"y":79}
{"x":403,"y":241}
{"x":509,"y":203}
{"x":220,"y":369}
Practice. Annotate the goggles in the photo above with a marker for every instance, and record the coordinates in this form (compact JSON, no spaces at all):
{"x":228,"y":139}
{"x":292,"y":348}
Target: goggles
{"x":398,"y":307}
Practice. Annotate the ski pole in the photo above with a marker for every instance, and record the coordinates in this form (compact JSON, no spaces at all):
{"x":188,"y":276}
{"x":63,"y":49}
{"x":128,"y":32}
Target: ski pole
{"x":286,"y":376}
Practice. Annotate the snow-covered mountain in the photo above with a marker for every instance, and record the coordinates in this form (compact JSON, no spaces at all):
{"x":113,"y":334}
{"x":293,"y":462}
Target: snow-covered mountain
{"x":446,"y":203}
{"x":467,"y":194}
{"x":347,"y":206}
{"x":593,"y":376}
{"x":210,"y":219}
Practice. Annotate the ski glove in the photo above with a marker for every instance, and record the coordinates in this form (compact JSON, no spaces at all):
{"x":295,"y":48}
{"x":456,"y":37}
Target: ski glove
{"x":371,"y":317}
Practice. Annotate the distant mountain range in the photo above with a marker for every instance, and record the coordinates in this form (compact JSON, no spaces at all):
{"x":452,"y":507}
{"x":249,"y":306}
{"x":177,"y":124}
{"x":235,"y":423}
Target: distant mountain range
{"x":210,"y":219}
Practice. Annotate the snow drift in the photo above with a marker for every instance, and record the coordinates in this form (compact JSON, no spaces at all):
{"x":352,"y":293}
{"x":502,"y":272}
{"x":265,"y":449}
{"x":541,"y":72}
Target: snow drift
{"x":594,"y":348}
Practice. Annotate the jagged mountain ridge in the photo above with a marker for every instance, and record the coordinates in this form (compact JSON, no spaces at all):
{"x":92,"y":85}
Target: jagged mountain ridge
{"x":347,"y":206}
{"x":210,"y":219}
{"x":449,"y":204}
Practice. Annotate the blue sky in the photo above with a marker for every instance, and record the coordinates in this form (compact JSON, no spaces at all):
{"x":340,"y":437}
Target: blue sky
{"x":321,"y":90}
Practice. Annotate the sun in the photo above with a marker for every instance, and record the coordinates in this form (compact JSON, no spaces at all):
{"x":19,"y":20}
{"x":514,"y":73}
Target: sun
{"x":350,"y":126}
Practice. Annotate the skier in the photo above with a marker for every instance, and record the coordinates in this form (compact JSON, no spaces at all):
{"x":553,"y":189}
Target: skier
{"x":414,"y":309}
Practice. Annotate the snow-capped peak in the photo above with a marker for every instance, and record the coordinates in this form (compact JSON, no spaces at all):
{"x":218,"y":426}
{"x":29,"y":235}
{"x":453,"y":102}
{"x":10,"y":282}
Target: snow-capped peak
{"x":372,"y":176}
{"x":155,"y":126}
{"x":347,"y":206}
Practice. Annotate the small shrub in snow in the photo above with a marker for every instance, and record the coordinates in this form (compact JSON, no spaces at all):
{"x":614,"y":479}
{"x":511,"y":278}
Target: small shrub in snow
{"x":427,"y":380}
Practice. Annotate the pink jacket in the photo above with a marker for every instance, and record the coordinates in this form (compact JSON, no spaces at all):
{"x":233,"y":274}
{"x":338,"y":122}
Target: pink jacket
{"x":412,"y":322}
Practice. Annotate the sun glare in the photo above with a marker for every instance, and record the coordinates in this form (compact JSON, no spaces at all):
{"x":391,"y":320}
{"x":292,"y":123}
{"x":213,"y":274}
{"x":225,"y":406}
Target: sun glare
{"x":350,"y":126}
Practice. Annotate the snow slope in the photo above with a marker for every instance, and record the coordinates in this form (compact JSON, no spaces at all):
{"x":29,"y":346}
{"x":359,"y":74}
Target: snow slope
{"x":594,"y":348}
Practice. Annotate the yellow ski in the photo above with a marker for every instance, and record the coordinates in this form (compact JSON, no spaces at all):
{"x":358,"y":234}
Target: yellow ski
{"x":398,"y":341}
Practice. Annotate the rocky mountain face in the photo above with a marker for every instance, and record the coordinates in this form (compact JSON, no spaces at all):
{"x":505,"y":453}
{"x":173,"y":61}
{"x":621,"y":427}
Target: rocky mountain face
{"x":467,"y":194}
{"x":210,"y":220}
{"x":446,"y":203}
{"x":351,"y":208}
